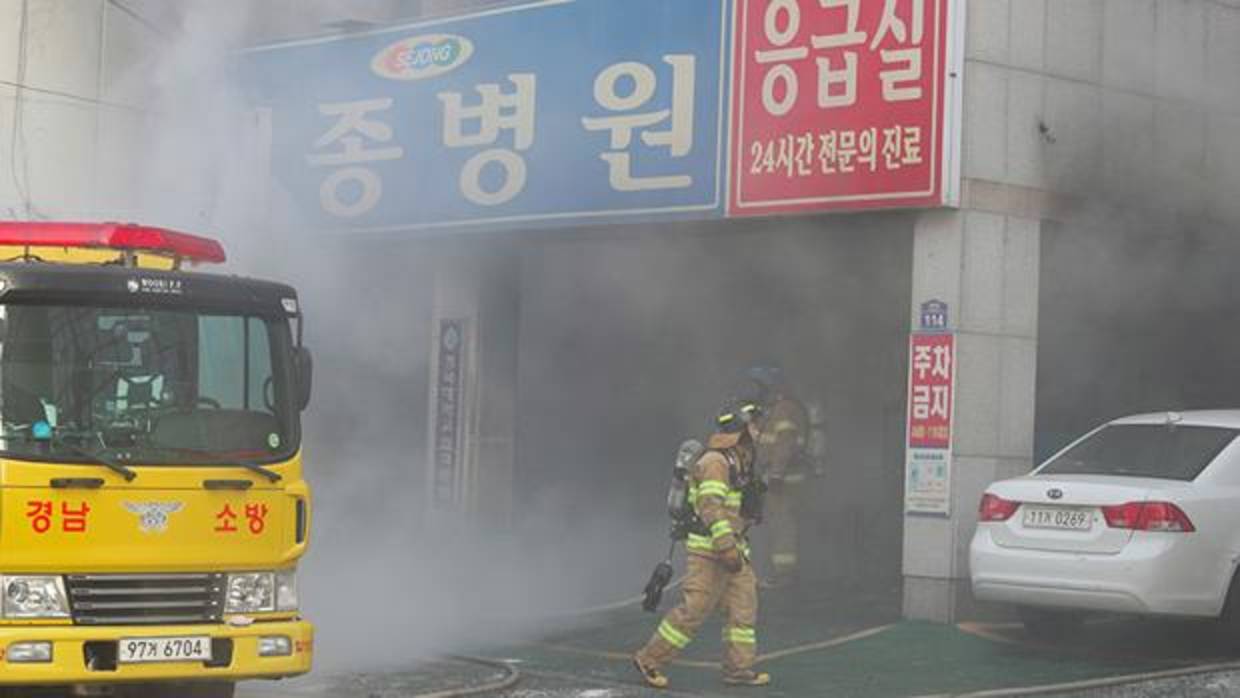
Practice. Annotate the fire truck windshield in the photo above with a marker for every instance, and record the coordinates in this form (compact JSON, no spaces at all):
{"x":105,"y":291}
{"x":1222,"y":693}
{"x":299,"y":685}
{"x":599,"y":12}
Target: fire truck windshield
{"x":145,"y":386}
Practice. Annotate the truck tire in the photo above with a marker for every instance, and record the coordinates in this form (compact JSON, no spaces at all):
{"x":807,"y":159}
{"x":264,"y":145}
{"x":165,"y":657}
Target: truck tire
{"x":1045,"y":625}
{"x":205,"y":690}
{"x":186,"y":690}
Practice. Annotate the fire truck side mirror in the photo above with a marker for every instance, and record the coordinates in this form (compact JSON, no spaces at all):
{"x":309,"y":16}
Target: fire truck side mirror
{"x":304,"y":366}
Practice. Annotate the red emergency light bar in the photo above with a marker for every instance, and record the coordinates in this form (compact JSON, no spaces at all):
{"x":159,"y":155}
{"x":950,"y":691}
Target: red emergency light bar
{"x":119,"y":236}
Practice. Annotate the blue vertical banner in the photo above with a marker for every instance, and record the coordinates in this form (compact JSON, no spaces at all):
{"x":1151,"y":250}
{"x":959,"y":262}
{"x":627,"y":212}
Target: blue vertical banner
{"x":562,"y":111}
{"x":447,"y":435}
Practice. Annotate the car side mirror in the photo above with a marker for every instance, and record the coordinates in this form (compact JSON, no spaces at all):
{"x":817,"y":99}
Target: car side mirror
{"x":303,"y":364}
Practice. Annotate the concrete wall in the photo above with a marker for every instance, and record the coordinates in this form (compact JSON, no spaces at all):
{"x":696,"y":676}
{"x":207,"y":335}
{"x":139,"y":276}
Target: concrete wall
{"x":1121,"y":98}
{"x":72,"y":106}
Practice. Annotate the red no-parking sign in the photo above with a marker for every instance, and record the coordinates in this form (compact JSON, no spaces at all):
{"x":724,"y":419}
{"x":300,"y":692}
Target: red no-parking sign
{"x":931,"y":398}
{"x":844,"y":104}
{"x":932,"y":368}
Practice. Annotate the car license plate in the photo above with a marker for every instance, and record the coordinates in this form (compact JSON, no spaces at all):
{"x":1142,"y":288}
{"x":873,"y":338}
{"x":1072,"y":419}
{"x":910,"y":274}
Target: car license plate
{"x":1059,"y":518}
{"x":139,"y":650}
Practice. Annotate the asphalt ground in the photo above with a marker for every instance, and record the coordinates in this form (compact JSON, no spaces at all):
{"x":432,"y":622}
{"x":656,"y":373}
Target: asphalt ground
{"x":842,"y":644}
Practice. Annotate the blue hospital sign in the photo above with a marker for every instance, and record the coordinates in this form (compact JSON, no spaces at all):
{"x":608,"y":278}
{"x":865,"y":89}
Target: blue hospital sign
{"x":564,"y":110}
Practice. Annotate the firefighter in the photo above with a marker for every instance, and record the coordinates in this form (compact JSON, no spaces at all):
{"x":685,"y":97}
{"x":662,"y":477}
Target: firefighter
{"x":783,"y":460}
{"x":719,"y":572}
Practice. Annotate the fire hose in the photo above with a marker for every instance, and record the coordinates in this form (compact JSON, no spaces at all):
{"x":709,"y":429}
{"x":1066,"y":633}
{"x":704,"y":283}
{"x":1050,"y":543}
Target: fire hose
{"x":511,"y":674}
{"x":510,"y":678}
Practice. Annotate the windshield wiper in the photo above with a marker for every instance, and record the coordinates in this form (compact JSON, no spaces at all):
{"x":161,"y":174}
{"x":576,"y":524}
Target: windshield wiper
{"x":271,"y":475}
{"x":94,"y":457}
{"x":98,"y":459}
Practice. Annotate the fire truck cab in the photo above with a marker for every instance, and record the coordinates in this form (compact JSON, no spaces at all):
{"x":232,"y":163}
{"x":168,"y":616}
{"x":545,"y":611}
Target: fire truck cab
{"x":152,"y":503}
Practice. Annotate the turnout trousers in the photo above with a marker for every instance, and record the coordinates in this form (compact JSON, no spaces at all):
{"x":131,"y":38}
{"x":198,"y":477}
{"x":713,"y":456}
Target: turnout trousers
{"x":782,"y":511}
{"x":708,"y":585}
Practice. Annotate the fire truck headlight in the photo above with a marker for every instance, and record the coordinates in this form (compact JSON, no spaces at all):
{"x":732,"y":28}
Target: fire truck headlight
{"x":286,"y":590}
{"x":251,"y":592}
{"x":34,"y":597}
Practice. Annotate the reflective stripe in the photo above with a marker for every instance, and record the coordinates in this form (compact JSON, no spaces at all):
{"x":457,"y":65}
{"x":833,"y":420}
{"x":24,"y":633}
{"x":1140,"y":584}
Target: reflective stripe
{"x":784,"y":425}
{"x":696,"y":542}
{"x":674,"y":637}
{"x":740,"y":636}
{"x":706,"y":545}
{"x":720,"y":529}
{"x":733,"y":500}
{"x":713,"y":488}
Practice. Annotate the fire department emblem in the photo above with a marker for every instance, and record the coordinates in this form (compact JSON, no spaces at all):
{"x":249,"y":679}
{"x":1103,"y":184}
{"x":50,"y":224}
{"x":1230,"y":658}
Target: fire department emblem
{"x":153,"y":516}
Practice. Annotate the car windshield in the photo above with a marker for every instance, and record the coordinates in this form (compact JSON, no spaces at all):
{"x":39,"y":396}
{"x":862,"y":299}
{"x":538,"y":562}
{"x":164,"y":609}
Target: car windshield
{"x":1169,"y":452}
{"x":147,"y":386}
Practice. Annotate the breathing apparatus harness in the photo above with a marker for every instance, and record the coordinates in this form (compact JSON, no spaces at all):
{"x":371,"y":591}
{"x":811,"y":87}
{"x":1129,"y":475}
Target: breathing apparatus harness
{"x":685,"y":520}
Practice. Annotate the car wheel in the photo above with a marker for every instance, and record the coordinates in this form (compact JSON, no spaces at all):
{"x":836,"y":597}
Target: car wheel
{"x":1045,"y":625}
{"x":1229,"y":620}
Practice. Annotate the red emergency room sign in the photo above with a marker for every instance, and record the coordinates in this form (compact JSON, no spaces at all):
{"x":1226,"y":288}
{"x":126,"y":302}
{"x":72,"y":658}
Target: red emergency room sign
{"x":932,"y":365}
{"x":843,"y":104}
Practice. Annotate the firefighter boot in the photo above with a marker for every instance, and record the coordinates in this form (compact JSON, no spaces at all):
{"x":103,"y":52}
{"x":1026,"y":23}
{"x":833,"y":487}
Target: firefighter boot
{"x":748,"y":678}
{"x":653,"y":677}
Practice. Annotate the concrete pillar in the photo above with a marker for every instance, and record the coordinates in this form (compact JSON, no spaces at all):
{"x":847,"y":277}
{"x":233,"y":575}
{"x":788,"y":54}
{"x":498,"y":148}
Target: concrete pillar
{"x":473,"y":376}
{"x":984,"y":265}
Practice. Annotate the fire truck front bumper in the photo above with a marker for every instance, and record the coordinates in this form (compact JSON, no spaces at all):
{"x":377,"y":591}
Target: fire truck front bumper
{"x":62,"y":655}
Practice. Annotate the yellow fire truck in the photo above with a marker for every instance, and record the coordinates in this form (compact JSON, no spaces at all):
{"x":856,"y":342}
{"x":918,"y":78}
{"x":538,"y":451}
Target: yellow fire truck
{"x":152,"y":503}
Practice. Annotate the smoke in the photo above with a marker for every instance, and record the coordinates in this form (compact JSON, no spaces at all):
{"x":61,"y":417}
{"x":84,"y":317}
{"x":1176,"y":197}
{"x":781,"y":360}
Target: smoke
{"x":383,"y":585}
{"x":630,"y":339}
{"x":626,"y":350}
{"x":629,"y":342}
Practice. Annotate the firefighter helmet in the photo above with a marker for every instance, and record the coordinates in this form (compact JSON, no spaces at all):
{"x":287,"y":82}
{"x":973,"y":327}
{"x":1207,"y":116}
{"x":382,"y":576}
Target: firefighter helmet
{"x":733,"y":422}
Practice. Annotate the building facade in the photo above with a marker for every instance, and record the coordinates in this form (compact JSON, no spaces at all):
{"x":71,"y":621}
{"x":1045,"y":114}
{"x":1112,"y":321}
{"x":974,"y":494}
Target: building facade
{"x":1079,"y":266}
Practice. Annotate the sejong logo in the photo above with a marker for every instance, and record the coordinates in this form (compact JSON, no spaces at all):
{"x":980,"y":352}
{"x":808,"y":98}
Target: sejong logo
{"x":421,"y":57}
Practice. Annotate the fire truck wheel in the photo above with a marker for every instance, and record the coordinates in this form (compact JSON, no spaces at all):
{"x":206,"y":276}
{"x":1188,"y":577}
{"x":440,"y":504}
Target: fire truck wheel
{"x":204,"y":690}
{"x":187,"y":690}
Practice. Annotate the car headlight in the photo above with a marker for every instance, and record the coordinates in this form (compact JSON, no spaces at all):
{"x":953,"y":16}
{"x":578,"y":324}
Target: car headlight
{"x":27,"y":596}
{"x":260,"y":592}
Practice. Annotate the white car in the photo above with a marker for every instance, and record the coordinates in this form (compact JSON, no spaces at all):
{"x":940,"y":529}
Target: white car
{"x":1141,"y":515}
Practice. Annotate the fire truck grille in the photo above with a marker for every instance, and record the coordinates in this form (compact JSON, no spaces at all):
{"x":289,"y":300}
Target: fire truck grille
{"x":145,"y":599}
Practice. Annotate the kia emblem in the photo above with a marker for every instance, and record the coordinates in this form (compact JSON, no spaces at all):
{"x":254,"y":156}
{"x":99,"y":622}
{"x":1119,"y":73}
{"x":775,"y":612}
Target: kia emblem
{"x":1055,"y":493}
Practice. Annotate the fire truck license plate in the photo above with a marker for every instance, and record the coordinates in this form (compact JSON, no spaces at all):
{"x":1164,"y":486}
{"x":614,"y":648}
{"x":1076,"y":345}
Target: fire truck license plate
{"x":139,"y":650}
{"x":1060,"y":518}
